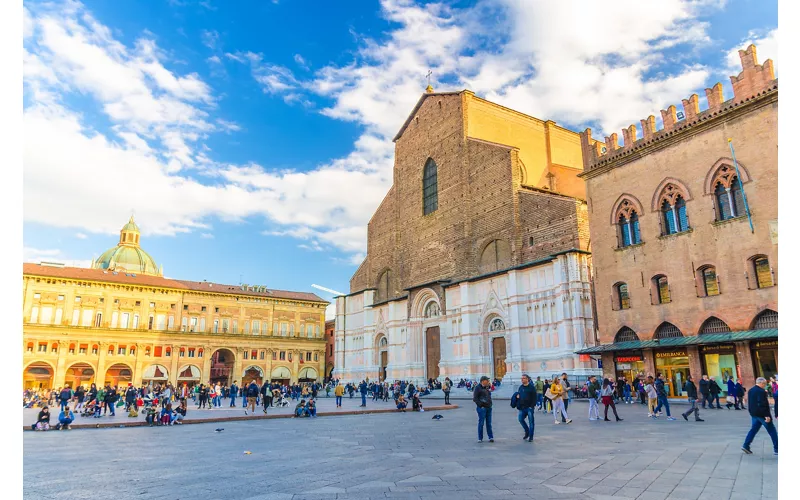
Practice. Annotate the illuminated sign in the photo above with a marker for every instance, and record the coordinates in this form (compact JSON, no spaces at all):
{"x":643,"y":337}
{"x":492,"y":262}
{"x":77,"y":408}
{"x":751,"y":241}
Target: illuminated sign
{"x":670,"y":354}
{"x":628,"y":359}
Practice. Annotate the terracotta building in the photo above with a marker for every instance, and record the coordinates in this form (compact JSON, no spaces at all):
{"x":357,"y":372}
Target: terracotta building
{"x":122,"y":322}
{"x":684,"y":239}
{"x":330,"y":342}
{"x":477,"y":258}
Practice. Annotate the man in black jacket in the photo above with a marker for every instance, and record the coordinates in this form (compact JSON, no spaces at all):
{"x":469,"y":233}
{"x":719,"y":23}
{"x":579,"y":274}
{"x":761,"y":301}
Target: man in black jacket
{"x":714,"y":389}
{"x":704,"y":391}
{"x":525,"y":405}
{"x":691,"y":392}
{"x":758,"y":406}
{"x":482,"y":397}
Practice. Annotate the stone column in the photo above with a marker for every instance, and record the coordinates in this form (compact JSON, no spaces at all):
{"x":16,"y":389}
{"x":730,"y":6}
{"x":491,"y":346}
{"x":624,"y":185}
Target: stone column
{"x":268,"y":372}
{"x":173,"y":366}
{"x":321,"y":365}
{"x":60,"y":374}
{"x":100,"y":373}
{"x":608,"y":365}
{"x":206,"y":368}
{"x":295,"y":366}
{"x":138,"y":367}
{"x":649,"y":362}
{"x":695,"y":366}
{"x":744,"y":358}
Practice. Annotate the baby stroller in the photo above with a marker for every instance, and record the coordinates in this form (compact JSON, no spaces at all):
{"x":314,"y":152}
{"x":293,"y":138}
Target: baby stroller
{"x":88,"y":408}
{"x":282,"y":402}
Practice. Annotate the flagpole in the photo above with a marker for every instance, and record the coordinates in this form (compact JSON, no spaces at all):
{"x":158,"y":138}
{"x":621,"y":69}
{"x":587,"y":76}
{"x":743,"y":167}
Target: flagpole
{"x":741,"y":186}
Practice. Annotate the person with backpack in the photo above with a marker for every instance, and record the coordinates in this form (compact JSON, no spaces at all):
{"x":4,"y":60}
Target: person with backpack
{"x":65,"y":396}
{"x":758,"y":406}
{"x":252,"y":395}
{"x":266,"y":395}
{"x":110,"y":399}
{"x":446,"y":390}
{"x":661,"y":391}
{"x":525,"y":403}
{"x":482,"y":397}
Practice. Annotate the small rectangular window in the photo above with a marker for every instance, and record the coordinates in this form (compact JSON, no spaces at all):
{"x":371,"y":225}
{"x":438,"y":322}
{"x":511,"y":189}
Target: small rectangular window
{"x":261,"y":355}
{"x":121,"y":350}
{"x":42,"y":347}
{"x":157,"y":351}
{"x":83,"y":348}
{"x":203,"y":308}
{"x":191,"y":353}
{"x":185,"y":307}
{"x":152,"y":304}
{"x":138,"y":303}
{"x":77,"y":299}
{"x":94,"y":349}
{"x":283,"y":355}
{"x":246,"y":354}
{"x":60,"y":297}
{"x":37,"y":295}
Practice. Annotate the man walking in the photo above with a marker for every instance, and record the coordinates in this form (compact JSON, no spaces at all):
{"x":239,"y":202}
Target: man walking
{"x":705,"y":391}
{"x":266,"y":395}
{"x":362,"y":388}
{"x":110,"y":399}
{"x":446,"y":390}
{"x":661,"y":390}
{"x":691,"y":392}
{"x":592,"y":391}
{"x":527,"y":400}
{"x":732,"y":392}
{"x":482,"y":397}
{"x":539,"y":392}
{"x":760,"y":415}
{"x":714,"y":389}
{"x":252,"y":395}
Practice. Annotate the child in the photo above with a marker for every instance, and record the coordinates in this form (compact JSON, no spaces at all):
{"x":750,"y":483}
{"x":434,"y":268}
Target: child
{"x":652,"y":397}
{"x":151,"y":415}
{"x":98,"y":408}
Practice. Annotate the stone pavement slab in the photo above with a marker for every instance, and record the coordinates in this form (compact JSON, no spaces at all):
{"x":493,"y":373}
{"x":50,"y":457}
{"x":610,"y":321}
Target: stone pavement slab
{"x":408,"y":455}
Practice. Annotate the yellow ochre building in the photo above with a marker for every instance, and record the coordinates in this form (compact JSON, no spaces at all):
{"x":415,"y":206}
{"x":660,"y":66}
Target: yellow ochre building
{"x":121,"y":321}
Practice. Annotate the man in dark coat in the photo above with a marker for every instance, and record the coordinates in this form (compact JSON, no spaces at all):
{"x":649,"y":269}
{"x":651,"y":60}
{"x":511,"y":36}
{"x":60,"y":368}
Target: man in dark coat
{"x":691,"y":392}
{"x":705,"y":392}
{"x":482,"y":397}
{"x":760,"y":415}
{"x":714,"y":389}
{"x":525,"y":405}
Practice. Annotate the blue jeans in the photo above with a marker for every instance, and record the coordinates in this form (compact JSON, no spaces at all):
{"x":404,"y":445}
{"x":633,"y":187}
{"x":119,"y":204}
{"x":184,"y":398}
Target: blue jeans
{"x":662,"y":401}
{"x":539,"y":400}
{"x":363,"y":400}
{"x":65,"y":403}
{"x":233,"y":401}
{"x":626,"y":393}
{"x":757,"y":422}
{"x":338,"y":401}
{"x":522,"y":414}
{"x":484,"y":415}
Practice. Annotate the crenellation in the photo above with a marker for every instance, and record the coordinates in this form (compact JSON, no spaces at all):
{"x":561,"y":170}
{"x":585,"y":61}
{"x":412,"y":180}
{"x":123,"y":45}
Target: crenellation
{"x":669,"y":116}
{"x":648,"y":127}
{"x":754,"y":80}
{"x":715,"y":97}
{"x":691,"y":107}
{"x":629,"y":135}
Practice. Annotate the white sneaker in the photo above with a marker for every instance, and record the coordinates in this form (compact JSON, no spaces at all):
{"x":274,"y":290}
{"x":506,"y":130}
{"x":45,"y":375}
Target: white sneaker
{"x":557,"y":422}
{"x":592,"y":419}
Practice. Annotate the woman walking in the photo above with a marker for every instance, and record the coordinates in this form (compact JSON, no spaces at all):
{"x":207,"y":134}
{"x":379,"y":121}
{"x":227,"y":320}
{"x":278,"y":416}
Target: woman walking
{"x":608,"y":399}
{"x":446,"y":389}
{"x":557,"y":393}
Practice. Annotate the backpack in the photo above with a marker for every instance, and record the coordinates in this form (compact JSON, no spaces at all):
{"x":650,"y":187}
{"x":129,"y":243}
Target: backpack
{"x":515,"y":400}
{"x":65,"y":394}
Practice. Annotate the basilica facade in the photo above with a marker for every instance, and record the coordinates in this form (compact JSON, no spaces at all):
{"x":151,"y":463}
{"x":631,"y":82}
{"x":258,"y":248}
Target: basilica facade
{"x":121,"y":321}
{"x":478,"y":259}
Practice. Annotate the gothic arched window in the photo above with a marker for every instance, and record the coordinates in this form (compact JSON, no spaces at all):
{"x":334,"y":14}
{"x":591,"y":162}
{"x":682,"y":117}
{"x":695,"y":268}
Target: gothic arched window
{"x":430,"y":190}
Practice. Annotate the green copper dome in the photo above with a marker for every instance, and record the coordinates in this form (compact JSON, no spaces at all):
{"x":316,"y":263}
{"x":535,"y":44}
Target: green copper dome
{"x":128,"y":256}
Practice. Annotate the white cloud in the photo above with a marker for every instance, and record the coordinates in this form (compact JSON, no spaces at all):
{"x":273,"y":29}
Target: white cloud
{"x":210,"y":38}
{"x":81,"y":236}
{"x":36,"y":256}
{"x":766,"y":48}
{"x":300,"y":61}
{"x":207,"y":236}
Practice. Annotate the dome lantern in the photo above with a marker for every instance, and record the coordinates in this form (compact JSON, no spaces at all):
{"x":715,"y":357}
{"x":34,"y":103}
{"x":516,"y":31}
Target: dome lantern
{"x":128,"y":256}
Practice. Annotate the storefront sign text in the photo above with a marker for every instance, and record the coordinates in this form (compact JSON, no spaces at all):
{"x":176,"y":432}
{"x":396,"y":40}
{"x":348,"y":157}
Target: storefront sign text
{"x":718,"y":348}
{"x":670,"y":354}
{"x":628,"y":359}
{"x":769,"y":343}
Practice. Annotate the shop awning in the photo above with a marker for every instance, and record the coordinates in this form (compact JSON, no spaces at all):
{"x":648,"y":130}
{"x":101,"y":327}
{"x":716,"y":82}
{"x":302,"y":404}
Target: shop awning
{"x":706,"y":338}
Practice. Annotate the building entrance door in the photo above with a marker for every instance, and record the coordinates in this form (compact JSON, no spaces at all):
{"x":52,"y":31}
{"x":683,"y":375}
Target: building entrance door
{"x":384,"y":363}
{"x":499,"y":355}
{"x":433,"y":352}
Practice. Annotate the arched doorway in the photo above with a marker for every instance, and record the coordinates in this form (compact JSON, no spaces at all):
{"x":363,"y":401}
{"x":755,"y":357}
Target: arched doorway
{"x":38,"y":376}
{"x":79,"y":374}
{"x":498,"y":348}
{"x":253,"y":373}
{"x":222,"y":366}
{"x":308,"y":375}
{"x":189,"y":375}
{"x":118,"y":375}
{"x":281,"y":375}
{"x":383,"y":357}
{"x":155,"y":374}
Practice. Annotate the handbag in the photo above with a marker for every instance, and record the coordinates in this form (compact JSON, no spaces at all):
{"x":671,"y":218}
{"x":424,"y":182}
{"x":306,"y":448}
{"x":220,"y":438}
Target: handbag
{"x":549,"y":394}
{"x":730,"y":399}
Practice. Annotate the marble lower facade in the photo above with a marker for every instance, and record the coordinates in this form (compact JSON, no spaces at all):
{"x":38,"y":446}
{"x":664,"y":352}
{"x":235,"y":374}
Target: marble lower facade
{"x":527,"y":319}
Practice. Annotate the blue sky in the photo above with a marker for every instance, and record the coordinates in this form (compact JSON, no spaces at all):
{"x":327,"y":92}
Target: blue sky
{"x":252,"y":139}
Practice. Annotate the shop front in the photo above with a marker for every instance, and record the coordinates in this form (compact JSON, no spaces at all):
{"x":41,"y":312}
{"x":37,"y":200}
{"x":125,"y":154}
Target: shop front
{"x":765,"y":358}
{"x":628,"y":364}
{"x":674,"y":364}
{"x":719,"y":361}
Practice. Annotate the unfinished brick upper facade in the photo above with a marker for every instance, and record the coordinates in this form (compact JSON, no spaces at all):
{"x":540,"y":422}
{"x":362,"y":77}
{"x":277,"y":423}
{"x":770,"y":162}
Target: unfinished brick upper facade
{"x":496,"y":278}
{"x":689,"y":158}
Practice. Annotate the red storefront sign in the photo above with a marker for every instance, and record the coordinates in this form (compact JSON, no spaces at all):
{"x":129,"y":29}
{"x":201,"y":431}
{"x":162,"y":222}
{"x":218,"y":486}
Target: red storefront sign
{"x":628,"y":359}
{"x":584,"y":357}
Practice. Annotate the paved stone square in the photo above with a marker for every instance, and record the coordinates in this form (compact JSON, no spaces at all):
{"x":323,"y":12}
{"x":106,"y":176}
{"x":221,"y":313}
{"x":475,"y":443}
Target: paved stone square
{"x":408,"y":456}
